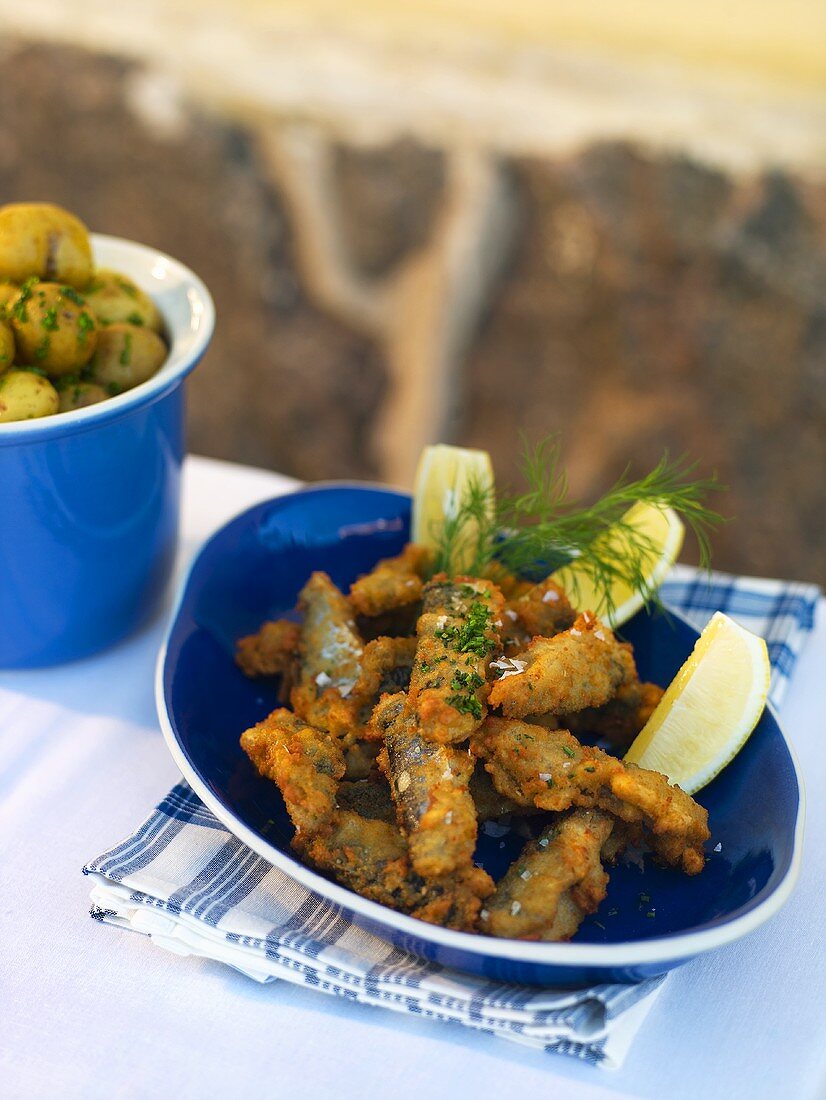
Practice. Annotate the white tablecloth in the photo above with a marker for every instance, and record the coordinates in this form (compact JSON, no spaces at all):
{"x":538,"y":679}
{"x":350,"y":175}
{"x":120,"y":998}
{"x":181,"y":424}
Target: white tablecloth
{"x":88,"y":1011}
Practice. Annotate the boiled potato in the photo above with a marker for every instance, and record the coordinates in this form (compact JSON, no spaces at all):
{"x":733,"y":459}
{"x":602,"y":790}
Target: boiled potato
{"x":7,"y":292}
{"x":6,"y":345}
{"x":115,"y":299}
{"x":126,"y":355}
{"x":37,"y":238}
{"x":25,"y":395}
{"x":53,"y":329}
{"x":77,"y":395}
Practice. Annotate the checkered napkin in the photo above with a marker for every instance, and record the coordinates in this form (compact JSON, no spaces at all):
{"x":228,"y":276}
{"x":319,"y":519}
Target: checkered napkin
{"x":190,"y":885}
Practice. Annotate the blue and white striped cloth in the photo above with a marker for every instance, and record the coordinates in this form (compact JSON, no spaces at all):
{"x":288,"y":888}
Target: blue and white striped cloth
{"x":190,"y":885}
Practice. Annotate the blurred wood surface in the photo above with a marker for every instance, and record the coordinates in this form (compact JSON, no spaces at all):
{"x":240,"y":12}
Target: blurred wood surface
{"x":648,"y":300}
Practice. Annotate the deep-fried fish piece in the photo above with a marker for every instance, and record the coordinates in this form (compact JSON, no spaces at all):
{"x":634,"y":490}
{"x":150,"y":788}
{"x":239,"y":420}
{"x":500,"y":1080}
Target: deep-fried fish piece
{"x":371,"y":857}
{"x":305,"y":763}
{"x":385,"y":668}
{"x":360,"y":759}
{"x":550,"y":769}
{"x":458,"y":633}
{"x":511,"y":586}
{"x":370,"y":798}
{"x":270,"y":652}
{"x":330,"y":654}
{"x":488,"y":801}
{"x":394,"y":582}
{"x":582,"y":667}
{"x":542,"y":611}
{"x":429,"y":784}
{"x":557,"y":880}
{"x":621,"y":719}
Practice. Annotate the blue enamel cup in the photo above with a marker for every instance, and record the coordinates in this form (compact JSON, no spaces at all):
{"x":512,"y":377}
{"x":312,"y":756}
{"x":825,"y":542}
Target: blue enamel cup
{"x":89,"y":500}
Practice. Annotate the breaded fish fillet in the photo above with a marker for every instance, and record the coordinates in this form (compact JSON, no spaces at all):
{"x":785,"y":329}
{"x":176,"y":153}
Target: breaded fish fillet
{"x":550,"y":769}
{"x":619,"y":720}
{"x":271,"y":651}
{"x":582,"y":667}
{"x":429,"y":784}
{"x":394,"y":582}
{"x":330,"y":655}
{"x":458,"y":633}
{"x":305,"y":763}
{"x":371,"y":857}
{"x":542,"y":611}
{"x":557,"y":880}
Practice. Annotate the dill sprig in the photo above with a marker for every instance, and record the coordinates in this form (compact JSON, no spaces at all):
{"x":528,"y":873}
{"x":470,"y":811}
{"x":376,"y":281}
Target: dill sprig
{"x":534,"y":532}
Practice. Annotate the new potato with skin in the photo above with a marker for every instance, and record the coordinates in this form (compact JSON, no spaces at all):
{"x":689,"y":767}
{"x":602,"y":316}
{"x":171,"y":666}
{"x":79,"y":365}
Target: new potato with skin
{"x":115,"y":299}
{"x":38,"y":238}
{"x":126,"y":355}
{"x":6,"y":345}
{"x":25,"y":395}
{"x":79,"y":395}
{"x":53,"y":329}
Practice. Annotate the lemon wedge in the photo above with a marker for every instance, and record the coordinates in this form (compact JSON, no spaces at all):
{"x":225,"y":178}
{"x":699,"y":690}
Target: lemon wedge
{"x":709,"y":709}
{"x":442,"y":478}
{"x":663,"y":531}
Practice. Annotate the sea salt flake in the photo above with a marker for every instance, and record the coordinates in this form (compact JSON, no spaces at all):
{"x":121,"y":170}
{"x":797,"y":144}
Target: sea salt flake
{"x":323,"y":680}
{"x":718,"y":847}
{"x":576,"y":633}
{"x":449,"y":817}
{"x":544,"y":842}
{"x":511,"y":614}
{"x":600,"y":635}
{"x":403,"y":782}
{"x":545,"y":776}
{"x":526,"y":874}
{"x":515,"y":908}
{"x":484,"y":914}
{"x":447,"y":773}
{"x":441,"y":622}
{"x":551,"y":596}
{"x":509,"y":666}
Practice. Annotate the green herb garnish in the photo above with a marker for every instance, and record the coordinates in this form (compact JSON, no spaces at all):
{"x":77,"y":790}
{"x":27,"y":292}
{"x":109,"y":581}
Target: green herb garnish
{"x":126,"y":354}
{"x":543,"y":529}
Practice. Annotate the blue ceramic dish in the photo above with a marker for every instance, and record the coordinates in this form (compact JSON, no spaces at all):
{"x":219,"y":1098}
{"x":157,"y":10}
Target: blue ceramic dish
{"x":89,"y":499}
{"x":253,"y":569}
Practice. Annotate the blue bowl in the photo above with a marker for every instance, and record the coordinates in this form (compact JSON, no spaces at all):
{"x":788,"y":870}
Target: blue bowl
{"x":253,"y":569}
{"x":89,"y":500}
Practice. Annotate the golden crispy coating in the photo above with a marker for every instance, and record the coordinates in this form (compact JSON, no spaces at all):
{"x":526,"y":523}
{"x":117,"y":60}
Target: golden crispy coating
{"x":370,"y":857}
{"x":621,"y":719}
{"x":394,"y":582}
{"x":458,"y":633}
{"x":582,"y":667}
{"x":330,"y":654}
{"x":555,"y":882}
{"x":511,"y":586}
{"x":429,"y":784}
{"x":304,"y":762}
{"x":542,"y":611}
{"x":385,"y":667}
{"x":370,"y":798}
{"x":270,"y":652}
{"x":360,"y":759}
{"x":551,"y":770}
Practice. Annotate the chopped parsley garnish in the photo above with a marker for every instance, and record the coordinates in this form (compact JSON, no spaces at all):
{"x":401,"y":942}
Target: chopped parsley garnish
{"x":135,"y":319}
{"x":466,"y":704}
{"x":85,"y":325}
{"x":645,"y":899}
{"x":71,"y":295}
{"x":43,"y":349}
{"x":49,"y":322}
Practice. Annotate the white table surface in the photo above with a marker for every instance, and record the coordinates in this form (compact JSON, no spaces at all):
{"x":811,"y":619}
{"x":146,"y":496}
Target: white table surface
{"x":90,"y":1011}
